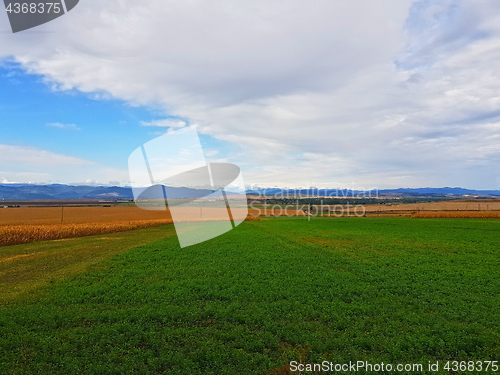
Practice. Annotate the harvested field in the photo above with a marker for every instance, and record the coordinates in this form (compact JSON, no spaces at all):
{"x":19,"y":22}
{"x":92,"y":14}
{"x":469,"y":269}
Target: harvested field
{"x":454,"y":205}
{"x":460,"y":208}
{"x":19,"y":234}
{"x":77,"y":215}
{"x":458,"y":214}
{"x":29,"y":224}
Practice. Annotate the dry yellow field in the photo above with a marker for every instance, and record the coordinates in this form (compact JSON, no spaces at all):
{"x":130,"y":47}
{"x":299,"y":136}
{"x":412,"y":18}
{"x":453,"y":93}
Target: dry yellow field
{"x":457,"y":214}
{"x":463,"y":208}
{"x":455,"y":205}
{"x":77,"y":215}
{"x":18,"y":234}
{"x":28,"y":224}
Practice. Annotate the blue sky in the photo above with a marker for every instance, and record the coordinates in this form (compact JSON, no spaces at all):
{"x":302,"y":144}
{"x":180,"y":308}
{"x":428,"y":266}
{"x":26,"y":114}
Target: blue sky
{"x":360,"y":94}
{"x":89,"y":126}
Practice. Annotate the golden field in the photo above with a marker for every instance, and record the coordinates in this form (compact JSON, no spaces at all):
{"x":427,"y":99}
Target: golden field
{"x":18,"y":234}
{"x":460,"y":208}
{"x":457,"y":214}
{"x":28,"y":224}
{"x":77,"y":215}
{"x":454,"y":205}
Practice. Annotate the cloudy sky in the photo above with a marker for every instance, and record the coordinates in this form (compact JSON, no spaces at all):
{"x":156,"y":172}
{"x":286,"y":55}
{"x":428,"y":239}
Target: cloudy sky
{"x":359,"y":93}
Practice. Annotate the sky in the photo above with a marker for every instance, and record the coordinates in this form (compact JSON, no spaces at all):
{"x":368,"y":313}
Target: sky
{"x":343,"y":94}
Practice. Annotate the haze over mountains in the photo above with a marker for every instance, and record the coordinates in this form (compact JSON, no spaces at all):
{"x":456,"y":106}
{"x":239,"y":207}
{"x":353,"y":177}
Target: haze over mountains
{"x":59,"y":191}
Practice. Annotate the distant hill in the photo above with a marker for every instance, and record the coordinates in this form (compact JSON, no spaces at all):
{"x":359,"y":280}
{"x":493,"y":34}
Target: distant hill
{"x":441,"y":191}
{"x":418,"y":192}
{"x":59,"y":191}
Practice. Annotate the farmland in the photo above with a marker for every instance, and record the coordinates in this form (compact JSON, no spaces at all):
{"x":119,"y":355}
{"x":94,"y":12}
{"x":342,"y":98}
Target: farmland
{"x":457,"y":208}
{"x":76,"y":215}
{"x":473,"y":208}
{"x":26,"y":268}
{"x":27,"y":224}
{"x":34,"y":222}
{"x":393,"y":290}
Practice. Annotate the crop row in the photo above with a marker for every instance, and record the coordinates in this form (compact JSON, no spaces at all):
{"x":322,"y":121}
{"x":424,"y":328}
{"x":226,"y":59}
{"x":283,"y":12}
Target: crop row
{"x":19,"y":234}
{"x":457,"y":214}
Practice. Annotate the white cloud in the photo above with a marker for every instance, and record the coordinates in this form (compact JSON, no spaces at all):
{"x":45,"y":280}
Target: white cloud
{"x":210,"y":153}
{"x":6,"y":182}
{"x":27,"y":155}
{"x":377,"y":93}
{"x":22,"y":177}
{"x":18,"y":163}
{"x":166,"y":123}
{"x":59,"y":125}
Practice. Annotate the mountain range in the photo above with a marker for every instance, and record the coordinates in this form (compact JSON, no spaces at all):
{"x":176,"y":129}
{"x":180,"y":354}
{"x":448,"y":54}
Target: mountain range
{"x":404,"y":192}
{"x":60,"y":191}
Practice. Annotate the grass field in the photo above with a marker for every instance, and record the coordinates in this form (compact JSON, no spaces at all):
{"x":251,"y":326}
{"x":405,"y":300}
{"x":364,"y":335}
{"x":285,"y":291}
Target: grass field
{"x":25,"y":269}
{"x":396,"y":290}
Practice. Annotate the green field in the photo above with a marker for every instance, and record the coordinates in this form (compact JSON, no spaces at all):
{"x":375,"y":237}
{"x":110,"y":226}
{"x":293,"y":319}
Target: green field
{"x":392,"y":290}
